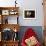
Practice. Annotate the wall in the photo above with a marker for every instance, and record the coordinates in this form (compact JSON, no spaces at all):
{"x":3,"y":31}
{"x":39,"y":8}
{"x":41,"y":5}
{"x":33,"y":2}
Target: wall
{"x":34,"y":4}
{"x":27,"y":4}
{"x":45,"y":22}
{"x":44,"y":13}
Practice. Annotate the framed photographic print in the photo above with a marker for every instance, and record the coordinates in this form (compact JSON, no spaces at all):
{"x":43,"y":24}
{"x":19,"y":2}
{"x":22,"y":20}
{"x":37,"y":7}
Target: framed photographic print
{"x":30,"y":14}
{"x":5,"y":12}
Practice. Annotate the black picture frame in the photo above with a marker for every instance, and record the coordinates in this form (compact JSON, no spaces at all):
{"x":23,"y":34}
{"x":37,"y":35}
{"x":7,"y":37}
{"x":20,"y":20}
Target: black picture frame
{"x":29,"y":14}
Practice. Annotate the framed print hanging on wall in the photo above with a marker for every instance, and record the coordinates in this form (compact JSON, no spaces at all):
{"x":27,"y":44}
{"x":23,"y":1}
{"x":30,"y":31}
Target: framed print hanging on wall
{"x":29,"y":14}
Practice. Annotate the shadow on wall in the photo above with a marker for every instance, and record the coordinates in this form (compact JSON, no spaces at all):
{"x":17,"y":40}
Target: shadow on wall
{"x":37,"y":29}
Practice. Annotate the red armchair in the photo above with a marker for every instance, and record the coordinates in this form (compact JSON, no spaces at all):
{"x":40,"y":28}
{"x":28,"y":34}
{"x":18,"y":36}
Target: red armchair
{"x":30,"y":34}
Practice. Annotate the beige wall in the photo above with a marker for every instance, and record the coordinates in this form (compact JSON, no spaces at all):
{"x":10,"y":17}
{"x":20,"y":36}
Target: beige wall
{"x":44,"y":12}
{"x":44,"y":4}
